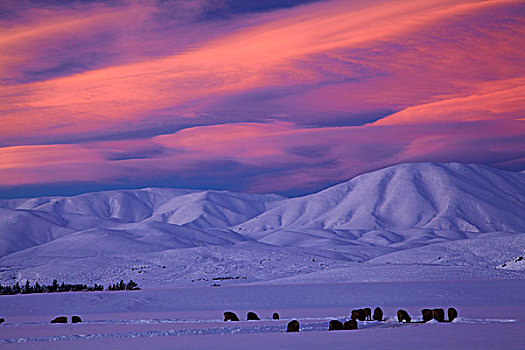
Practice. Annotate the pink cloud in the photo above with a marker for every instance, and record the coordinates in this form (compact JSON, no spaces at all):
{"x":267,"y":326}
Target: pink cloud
{"x":252,"y":57}
{"x":348,"y":150}
{"x":450,"y":71}
{"x":305,"y":157}
{"x":21,"y":165}
{"x":493,"y":101}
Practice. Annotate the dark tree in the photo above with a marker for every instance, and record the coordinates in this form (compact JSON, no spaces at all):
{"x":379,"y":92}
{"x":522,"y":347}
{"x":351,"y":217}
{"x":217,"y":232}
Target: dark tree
{"x":54,"y":286}
{"x":132,"y":285}
{"x":27,"y":288}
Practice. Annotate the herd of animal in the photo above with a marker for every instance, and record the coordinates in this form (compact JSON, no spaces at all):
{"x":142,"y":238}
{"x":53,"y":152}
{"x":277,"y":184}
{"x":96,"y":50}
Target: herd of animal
{"x":430,"y":314}
{"x":362,"y":315}
{"x":63,"y":319}
{"x":59,"y":319}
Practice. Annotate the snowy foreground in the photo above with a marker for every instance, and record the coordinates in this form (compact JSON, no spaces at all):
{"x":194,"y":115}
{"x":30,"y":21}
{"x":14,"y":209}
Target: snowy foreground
{"x":491,"y":316}
{"x":411,"y":236}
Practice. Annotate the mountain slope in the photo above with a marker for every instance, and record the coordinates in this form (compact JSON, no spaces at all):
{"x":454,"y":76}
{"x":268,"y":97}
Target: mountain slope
{"x":409,"y":214}
{"x":468,"y":198}
{"x":161,"y":217}
{"x":213,"y":209}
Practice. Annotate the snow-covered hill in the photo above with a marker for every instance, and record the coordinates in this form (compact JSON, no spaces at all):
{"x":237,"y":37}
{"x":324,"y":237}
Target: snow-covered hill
{"x":176,"y":206}
{"x":409,"y":213}
{"x":468,"y":198}
{"x":127,"y":220}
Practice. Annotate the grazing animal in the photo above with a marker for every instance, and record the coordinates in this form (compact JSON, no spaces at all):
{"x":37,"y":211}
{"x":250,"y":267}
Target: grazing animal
{"x":402,"y":315}
{"x":252,"y":316}
{"x":350,"y":325}
{"x":335,"y":325}
{"x":361,"y":314}
{"x":438,"y":315}
{"x":427,"y":315}
{"x":452,"y":314}
{"x":293,"y":326}
{"x":354,"y":315}
{"x":76,"y":319}
{"x":230,"y":316}
{"x":368,"y":313}
{"x":378,"y":314}
{"x":358,"y":314}
{"x":275,"y":316}
{"x":60,"y":319}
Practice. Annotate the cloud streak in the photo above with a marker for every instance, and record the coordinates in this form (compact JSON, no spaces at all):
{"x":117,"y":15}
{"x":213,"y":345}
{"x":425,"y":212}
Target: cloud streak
{"x":311,"y":94}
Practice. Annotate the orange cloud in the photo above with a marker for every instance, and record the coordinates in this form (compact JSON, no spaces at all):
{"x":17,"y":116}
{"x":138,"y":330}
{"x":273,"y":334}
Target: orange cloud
{"x":297,"y":157}
{"x":319,"y":155}
{"x":494,"y":101}
{"x":39,"y":164}
{"x":451,"y":69}
{"x":245,"y":60}
{"x":249,"y":141}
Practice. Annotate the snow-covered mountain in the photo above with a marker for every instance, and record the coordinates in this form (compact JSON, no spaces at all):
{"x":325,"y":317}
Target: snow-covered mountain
{"x":470,"y":198}
{"x":160,"y":217}
{"x":375,"y":217}
{"x":182,"y":207}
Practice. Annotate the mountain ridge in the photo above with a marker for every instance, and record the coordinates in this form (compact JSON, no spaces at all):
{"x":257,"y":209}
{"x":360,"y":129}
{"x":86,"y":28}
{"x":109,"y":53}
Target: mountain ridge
{"x":392,"y":210}
{"x":439,"y":196}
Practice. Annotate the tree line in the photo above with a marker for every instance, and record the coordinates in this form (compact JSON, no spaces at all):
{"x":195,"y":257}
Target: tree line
{"x":55,"y":287}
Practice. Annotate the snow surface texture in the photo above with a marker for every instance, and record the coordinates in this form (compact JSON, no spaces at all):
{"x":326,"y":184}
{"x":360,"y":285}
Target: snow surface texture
{"x":438,"y":221}
{"x":491,"y":316}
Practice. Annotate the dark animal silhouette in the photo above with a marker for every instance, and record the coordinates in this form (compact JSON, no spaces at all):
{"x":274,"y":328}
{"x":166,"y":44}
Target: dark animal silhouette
{"x":2,"y":320}
{"x":368,"y":313}
{"x":452,"y":314}
{"x":350,"y":325}
{"x":438,"y":315}
{"x":378,"y":314}
{"x":358,"y":314}
{"x":427,"y":315}
{"x":402,"y":315}
{"x":293,"y":326}
{"x":76,"y":319}
{"x":252,"y":316}
{"x":230,"y":316}
{"x":362,"y":314}
{"x":335,"y":325}
{"x":275,"y":316}
{"x":354,"y":315}
{"x":60,"y":319}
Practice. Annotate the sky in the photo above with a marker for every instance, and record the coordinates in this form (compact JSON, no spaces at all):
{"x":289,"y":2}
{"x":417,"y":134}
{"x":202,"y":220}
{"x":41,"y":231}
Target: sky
{"x":281,"y":96}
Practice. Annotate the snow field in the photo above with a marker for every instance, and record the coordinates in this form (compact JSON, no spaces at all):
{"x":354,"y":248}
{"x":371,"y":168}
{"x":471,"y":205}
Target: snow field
{"x":192,"y":317}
